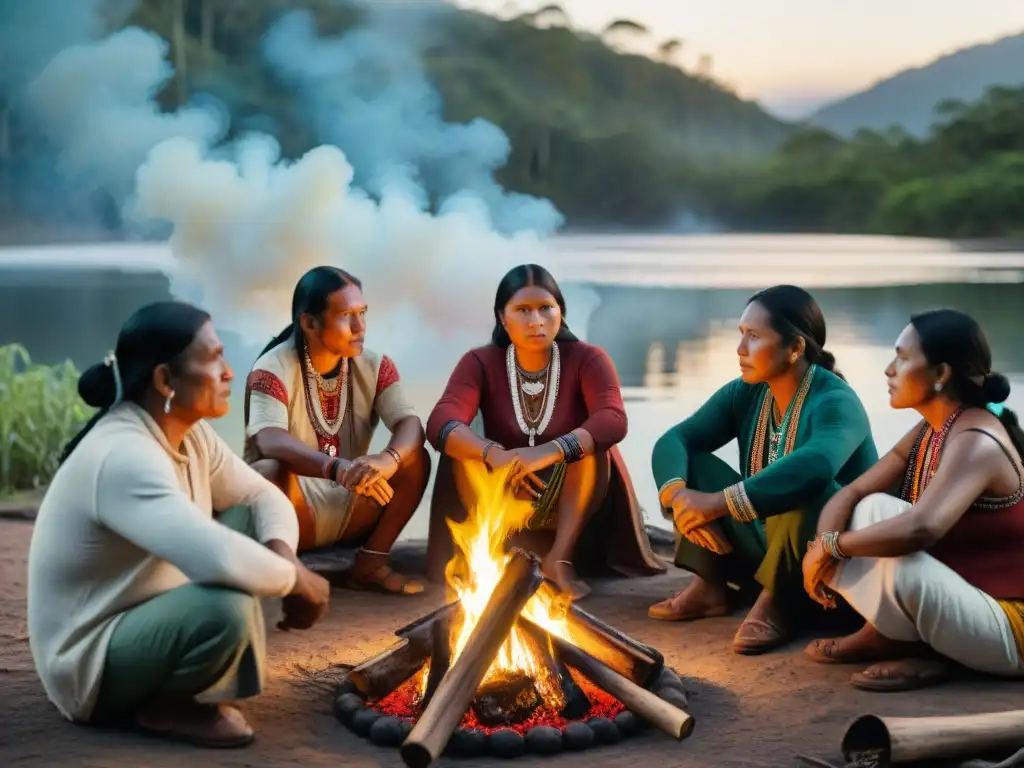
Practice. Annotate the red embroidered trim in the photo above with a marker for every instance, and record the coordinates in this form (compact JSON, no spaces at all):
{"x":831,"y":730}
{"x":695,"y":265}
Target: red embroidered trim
{"x":268,"y":384}
{"x":387,"y":374}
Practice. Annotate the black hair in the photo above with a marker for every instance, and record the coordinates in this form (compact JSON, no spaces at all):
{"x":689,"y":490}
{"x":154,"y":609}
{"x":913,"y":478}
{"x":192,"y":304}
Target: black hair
{"x":157,"y":334}
{"x":793,"y":314}
{"x":517,"y":278}
{"x":955,"y":339}
{"x":310,"y":297}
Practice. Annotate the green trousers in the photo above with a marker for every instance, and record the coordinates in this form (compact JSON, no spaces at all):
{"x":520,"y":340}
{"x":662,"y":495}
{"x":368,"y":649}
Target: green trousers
{"x":193,"y":642}
{"x":766,"y":554}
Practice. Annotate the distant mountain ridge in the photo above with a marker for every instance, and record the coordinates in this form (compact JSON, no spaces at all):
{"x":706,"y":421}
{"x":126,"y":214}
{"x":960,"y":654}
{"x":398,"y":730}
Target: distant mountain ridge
{"x":909,"y":98}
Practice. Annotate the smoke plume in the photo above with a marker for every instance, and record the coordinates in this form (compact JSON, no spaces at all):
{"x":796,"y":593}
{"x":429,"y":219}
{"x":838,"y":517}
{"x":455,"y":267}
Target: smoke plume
{"x":395,"y":195}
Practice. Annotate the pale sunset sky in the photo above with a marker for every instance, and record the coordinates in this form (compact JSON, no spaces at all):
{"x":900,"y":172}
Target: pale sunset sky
{"x":793,"y":55}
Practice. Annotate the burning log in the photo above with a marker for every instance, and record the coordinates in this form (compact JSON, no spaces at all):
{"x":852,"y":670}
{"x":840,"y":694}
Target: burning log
{"x":454,"y":695}
{"x":421,"y":630}
{"x":440,"y":654}
{"x":510,"y":699}
{"x":575,"y":702}
{"x":672,"y":720}
{"x":894,"y":740}
{"x":633,"y":660}
{"x":378,"y":676}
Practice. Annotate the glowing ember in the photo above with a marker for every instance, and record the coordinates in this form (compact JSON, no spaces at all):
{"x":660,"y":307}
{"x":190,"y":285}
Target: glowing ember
{"x":477,"y":567}
{"x":404,"y":702}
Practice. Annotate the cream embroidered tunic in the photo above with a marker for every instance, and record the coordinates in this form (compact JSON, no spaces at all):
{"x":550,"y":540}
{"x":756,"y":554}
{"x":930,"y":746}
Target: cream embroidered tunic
{"x":276,"y":396}
{"x":126,"y":518}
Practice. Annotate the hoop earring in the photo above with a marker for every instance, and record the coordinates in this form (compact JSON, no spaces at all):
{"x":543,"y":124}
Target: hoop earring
{"x":167,"y":402}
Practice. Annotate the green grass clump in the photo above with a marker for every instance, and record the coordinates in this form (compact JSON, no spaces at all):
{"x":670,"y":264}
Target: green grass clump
{"x":40,"y":410}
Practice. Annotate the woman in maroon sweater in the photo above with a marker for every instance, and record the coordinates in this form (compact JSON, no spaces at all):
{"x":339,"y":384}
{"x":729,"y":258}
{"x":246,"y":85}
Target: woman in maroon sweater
{"x":552,"y":416}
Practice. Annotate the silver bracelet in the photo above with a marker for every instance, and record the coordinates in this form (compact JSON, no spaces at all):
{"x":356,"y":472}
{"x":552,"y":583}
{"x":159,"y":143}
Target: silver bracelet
{"x":830,"y":543}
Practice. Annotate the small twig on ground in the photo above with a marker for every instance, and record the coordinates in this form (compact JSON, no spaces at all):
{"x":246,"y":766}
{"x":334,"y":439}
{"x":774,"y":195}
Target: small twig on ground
{"x":324,"y":679}
{"x":869,"y":759}
{"x":817,"y":762}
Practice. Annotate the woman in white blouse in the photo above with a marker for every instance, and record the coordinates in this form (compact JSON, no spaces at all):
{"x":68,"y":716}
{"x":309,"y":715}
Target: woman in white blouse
{"x":143,"y":607}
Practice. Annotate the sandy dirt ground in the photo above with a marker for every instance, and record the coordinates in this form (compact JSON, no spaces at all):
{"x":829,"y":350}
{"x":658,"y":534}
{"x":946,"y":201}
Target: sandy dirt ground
{"x":749,"y":712}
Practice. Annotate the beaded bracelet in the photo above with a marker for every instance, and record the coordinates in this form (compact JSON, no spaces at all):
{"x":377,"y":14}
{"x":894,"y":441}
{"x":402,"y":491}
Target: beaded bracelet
{"x":572,"y":448}
{"x":830,"y":543}
{"x":331,"y":472}
{"x":446,"y":430}
{"x":487,"y":449}
{"x":394,"y":455}
{"x":740,"y":506}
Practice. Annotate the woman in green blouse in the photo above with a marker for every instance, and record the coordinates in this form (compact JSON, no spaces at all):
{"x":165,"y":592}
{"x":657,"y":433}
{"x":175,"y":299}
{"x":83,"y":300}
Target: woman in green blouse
{"x":802,"y":433}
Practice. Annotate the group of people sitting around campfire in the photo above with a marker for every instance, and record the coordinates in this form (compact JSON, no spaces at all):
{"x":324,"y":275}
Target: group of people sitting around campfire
{"x":155,"y":544}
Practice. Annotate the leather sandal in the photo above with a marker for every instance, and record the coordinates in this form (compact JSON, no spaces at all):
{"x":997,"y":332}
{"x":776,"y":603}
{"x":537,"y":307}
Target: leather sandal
{"x":213,"y":726}
{"x":757,"y":636}
{"x":910,"y":675}
{"x":386,"y":581}
{"x":669,"y":610}
{"x":823,"y":651}
{"x":865,"y":646}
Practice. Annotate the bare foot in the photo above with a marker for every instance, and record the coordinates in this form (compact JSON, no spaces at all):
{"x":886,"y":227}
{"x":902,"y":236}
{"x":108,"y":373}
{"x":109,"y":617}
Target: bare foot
{"x":763,"y":629}
{"x":564,"y":575}
{"x":700,"y":600}
{"x":216,"y":726}
{"x":864,"y":645}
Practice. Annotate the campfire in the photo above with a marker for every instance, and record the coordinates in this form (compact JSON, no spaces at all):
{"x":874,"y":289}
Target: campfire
{"x":510,"y":665}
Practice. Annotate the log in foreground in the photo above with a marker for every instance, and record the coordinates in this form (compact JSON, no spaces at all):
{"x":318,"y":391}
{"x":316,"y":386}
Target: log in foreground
{"x":456,"y":691}
{"x":911,"y":739}
{"x":655,"y":710}
{"x":632,"y":659}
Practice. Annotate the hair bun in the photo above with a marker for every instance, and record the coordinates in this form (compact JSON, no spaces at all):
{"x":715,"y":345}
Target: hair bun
{"x":97,"y":387}
{"x":995,"y":388}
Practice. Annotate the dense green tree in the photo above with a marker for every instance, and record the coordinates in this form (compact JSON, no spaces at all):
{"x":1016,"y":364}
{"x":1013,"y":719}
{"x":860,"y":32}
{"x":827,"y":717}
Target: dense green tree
{"x":965,"y":180}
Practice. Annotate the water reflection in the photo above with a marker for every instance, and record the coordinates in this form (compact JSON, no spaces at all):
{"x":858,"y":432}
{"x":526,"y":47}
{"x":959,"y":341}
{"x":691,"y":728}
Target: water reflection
{"x":673,"y":346}
{"x":650,"y":331}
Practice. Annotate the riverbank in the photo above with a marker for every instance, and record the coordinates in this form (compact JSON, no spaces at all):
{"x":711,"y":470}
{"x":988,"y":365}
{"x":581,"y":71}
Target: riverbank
{"x":750,"y":712}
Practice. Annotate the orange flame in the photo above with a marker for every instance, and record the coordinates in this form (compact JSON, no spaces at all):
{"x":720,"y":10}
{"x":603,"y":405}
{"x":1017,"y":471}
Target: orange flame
{"x":477,"y":567}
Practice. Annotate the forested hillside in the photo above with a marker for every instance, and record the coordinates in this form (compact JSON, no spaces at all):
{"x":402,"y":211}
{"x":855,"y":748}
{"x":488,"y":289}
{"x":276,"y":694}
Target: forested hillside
{"x":612,"y":139}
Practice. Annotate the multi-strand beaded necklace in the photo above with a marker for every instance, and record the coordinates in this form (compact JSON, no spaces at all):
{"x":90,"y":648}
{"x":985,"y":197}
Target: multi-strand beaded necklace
{"x":524,"y":386}
{"x":326,"y":399}
{"x":924,"y":457}
{"x":780,"y":437}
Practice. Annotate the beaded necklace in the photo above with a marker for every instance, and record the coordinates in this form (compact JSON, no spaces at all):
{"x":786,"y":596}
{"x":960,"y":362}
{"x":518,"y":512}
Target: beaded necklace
{"x":924,"y":457}
{"x":533,"y":423}
{"x":326,"y":400}
{"x":780,"y":439}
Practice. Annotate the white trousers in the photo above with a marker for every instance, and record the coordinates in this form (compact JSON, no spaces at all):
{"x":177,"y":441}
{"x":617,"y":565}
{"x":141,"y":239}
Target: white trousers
{"x":917,"y":598}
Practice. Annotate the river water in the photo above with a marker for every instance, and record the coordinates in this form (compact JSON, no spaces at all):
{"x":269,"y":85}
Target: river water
{"x":667,"y":315}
